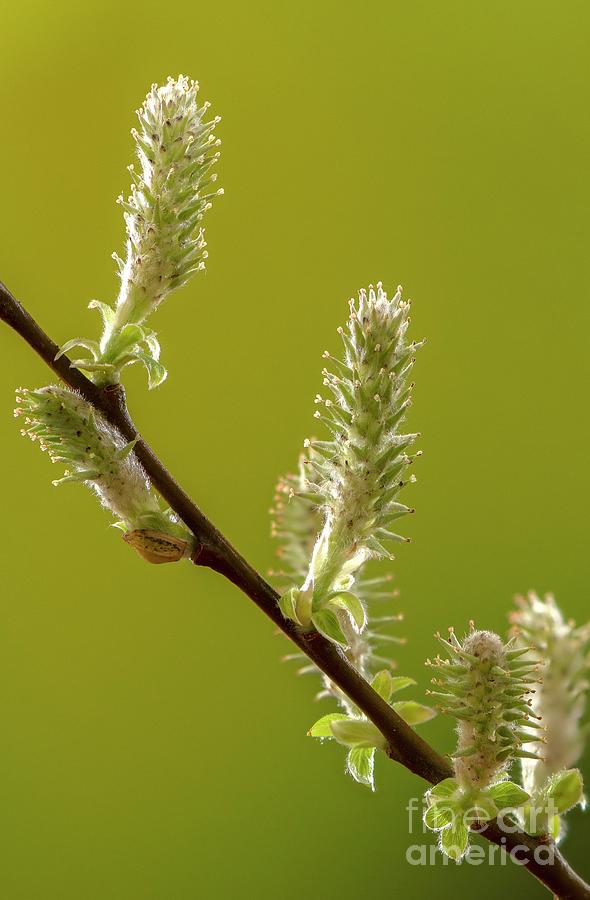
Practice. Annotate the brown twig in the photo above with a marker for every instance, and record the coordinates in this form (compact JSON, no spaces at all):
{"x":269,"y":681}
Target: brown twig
{"x":214,"y":550}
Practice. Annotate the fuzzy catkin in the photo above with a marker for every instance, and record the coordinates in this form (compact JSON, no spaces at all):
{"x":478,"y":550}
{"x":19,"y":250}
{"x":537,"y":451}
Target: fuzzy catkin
{"x":560,"y":698}
{"x":93,"y":452}
{"x":171,"y":192}
{"x":358,"y":474}
{"x":481,"y":767}
{"x":485,"y":687}
{"x":176,"y":150}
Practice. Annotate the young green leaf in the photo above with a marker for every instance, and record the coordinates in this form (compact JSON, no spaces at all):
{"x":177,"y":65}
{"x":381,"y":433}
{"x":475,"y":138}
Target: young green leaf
{"x":107,"y":312}
{"x":357,"y":733}
{"x":479,"y":807}
{"x":327,"y":623}
{"x":360,"y":762}
{"x":554,"y":828}
{"x":454,"y":840}
{"x":287,"y":604}
{"x":156,"y":371}
{"x":399,"y":682}
{"x":350,"y":602}
{"x":444,"y":790}
{"x":382,"y":684}
{"x":413,"y":713}
{"x":322,"y":729}
{"x":440,"y":815}
{"x":566,"y":790}
{"x":508,"y":795}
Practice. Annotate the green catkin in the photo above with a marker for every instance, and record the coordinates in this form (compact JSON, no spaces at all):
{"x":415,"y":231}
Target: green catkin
{"x":485,"y":685}
{"x":176,"y":149}
{"x":363,"y":466}
{"x":487,"y":692}
{"x":354,"y":478}
{"x":75,"y":435}
{"x":170,"y":193}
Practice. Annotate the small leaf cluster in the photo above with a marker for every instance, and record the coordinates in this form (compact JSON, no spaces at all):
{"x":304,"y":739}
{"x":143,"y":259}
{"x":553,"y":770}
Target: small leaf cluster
{"x":130,"y":343}
{"x":453,"y":808}
{"x":360,"y":736}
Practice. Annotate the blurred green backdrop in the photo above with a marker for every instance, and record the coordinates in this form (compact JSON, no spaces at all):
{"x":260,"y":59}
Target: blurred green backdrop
{"x":153,"y":745}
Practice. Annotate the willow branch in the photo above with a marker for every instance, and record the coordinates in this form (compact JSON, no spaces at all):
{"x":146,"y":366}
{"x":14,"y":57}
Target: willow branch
{"x":215,"y":551}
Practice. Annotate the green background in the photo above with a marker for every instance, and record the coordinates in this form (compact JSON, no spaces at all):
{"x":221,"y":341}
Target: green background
{"x":153,"y":746}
